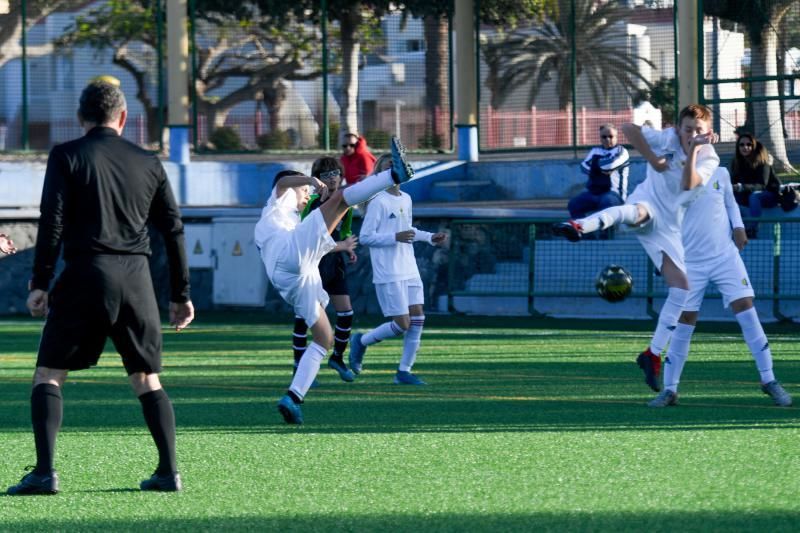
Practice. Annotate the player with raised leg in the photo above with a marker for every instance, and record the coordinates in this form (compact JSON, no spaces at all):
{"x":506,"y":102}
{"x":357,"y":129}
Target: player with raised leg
{"x":712,"y":257}
{"x":291,"y":251}
{"x":685,"y":160}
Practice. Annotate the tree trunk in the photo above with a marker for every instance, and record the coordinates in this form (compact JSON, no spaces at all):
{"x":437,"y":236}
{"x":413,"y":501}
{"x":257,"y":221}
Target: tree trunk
{"x":436,"y":35}
{"x":767,"y":123}
{"x":351,"y":49}
{"x":274,"y":97}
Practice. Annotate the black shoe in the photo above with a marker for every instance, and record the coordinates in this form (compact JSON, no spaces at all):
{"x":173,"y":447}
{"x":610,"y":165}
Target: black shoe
{"x":163,"y":483}
{"x":33,"y":483}
{"x":570,"y":230}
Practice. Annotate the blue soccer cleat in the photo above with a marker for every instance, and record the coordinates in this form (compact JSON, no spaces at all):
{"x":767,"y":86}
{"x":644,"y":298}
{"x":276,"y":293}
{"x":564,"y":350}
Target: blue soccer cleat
{"x":343,"y":371}
{"x":290,"y":411}
{"x":356,"y":356}
{"x":401,"y":169}
{"x":407,"y":378}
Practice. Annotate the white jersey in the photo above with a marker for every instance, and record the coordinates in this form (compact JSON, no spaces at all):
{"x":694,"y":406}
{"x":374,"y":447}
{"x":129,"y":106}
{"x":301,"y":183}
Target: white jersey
{"x":662,"y":190}
{"x":707,"y":225}
{"x":388,"y":214}
{"x":278,"y":219}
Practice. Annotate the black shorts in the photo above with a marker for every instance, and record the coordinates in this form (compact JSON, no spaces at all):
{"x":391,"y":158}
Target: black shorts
{"x":332,"y":271}
{"x":98,"y":297}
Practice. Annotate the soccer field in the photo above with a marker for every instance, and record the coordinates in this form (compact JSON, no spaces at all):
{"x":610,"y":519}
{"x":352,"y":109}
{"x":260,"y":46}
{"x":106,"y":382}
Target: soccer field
{"x":526,"y":425}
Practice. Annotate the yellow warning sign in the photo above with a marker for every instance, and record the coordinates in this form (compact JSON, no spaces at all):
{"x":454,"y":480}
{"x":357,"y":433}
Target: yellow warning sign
{"x":198,"y":248}
{"x":237,"y":249}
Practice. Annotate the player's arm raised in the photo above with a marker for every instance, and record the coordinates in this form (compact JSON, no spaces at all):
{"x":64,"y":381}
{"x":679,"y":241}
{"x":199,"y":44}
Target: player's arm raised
{"x":635,"y":137}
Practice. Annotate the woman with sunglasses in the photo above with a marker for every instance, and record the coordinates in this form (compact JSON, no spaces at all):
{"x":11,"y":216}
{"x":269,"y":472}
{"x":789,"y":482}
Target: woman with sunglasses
{"x":755,"y":185}
{"x":357,"y":161}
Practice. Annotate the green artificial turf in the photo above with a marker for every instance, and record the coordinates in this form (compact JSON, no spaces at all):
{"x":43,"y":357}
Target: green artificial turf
{"x":526,"y":425}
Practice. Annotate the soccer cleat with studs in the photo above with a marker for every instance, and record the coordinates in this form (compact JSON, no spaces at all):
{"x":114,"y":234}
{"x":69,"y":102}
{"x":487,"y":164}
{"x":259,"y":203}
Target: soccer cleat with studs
{"x":407,"y":378}
{"x":162,"y":483}
{"x":33,"y":483}
{"x":650,"y":364}
{"x":774,"y":390}
{"x":290,"y":411}
{"x":356,"y":357}
{"x":345,"y":373}
{"x":401,"y":169}
{"x":666,"y":398}
{"x":570,"y":230}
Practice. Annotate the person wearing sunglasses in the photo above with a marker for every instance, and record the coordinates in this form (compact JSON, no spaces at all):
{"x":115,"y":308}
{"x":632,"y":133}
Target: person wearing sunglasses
{"x":356,"y":159}
{"x":607,"y":169}
{"x":755,"y":184}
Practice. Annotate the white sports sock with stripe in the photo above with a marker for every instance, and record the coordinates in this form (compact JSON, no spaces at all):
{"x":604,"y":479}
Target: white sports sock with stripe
{"x":757,"y":341}
{"x":387,"y":330}
{"x":676,"y":355}
{"x":411,"y":343}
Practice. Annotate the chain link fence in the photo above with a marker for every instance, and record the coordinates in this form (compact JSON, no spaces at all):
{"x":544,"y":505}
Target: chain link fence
{"x":501,"y":259}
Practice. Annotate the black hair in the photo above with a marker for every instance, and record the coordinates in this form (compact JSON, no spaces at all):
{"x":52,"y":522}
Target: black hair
{"x":101,"y":103}
{"x":284,"y":174}
{"x":326,"y":164}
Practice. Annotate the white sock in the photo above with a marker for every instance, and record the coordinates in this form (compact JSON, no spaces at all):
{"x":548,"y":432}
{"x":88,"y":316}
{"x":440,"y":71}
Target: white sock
{"x":411,"y":343}
{"x":368,"y":187}
{"x":668,"y":318}
{"x":387,"y":330}
{"x":757,"y":341}
{"x":611,"y":216}
{"x":676,"y":355}
{"x":308,"y":369}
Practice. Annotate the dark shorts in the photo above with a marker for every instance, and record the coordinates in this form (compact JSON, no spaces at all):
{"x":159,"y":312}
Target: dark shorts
{"x":100,"y":297}
{"x":332,"y":271}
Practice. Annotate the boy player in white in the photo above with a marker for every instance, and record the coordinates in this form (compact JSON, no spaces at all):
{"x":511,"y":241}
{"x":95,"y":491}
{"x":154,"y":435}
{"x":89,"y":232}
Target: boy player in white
{"x":685,"y":161}
{"x":712,"y":257}
{"x":291,"y":251}
{"x":387,"y":230}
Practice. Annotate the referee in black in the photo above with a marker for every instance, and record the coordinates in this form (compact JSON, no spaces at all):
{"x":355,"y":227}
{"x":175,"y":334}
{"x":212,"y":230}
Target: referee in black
{"x":100,"y":191}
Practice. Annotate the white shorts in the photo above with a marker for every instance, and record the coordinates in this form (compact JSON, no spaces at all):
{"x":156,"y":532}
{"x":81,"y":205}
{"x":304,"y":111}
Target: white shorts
{"x":660,"y":235}
{"x":296,"y":274}
{"x":726,"y":272}
{"x":395,"y":297}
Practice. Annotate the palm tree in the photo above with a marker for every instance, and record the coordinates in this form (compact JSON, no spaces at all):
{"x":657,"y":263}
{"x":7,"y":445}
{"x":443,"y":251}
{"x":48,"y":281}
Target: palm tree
{"x":529,"y":58}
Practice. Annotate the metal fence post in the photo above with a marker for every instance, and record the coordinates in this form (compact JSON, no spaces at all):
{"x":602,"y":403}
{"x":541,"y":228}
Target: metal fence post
{"x":326,"y":131}
{"x":776,"y":272}
{"x":451,"y":266}
{"x":24,"y":13}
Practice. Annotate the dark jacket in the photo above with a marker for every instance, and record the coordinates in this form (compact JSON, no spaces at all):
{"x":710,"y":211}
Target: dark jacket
{"x":100,"y":191}
{"x":760,"y":178}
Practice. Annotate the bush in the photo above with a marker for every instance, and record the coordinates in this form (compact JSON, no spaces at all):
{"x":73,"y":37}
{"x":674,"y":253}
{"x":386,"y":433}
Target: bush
{"x":275,"y":140}
{"x":431,"y":141}
{"x":377,"y":139}
{"x":225,"y":139}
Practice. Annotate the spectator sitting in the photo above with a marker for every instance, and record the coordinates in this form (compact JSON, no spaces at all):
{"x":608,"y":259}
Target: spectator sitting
{"x":607,"y":167}
{"x":356,"y":158}
{"x":755,"y":185}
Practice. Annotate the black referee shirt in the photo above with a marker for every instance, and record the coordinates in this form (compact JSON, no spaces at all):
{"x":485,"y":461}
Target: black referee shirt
{"x":99,"y":193}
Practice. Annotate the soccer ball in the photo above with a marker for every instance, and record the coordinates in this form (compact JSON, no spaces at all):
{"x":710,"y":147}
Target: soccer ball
{"x":614,"y":283}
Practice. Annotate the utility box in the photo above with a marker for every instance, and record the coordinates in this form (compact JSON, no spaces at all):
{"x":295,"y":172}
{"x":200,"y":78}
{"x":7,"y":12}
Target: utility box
{"x":239,"y":276}
{"x":199,"y":246}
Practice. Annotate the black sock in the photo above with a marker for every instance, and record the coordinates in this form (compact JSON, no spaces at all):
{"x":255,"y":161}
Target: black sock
{"x":299,"y":339}
{"x":341,"y":336}
{"x":160,"y":420}
{"x":47,"y":410}
{"x":295,"y":398}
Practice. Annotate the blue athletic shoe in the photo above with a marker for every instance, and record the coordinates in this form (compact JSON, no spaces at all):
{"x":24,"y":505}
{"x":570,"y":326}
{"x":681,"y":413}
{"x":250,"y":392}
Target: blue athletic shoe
{"x":407,"y":378}
{"x":401,"y":169}
{"x":291,"y":411}
{"x":343,"y":371}
{"x":356,"y":356}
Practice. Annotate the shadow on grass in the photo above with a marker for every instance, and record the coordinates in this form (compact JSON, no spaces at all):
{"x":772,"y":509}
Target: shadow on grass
{"x":490,"y":397}
{"x":433,"y":521}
